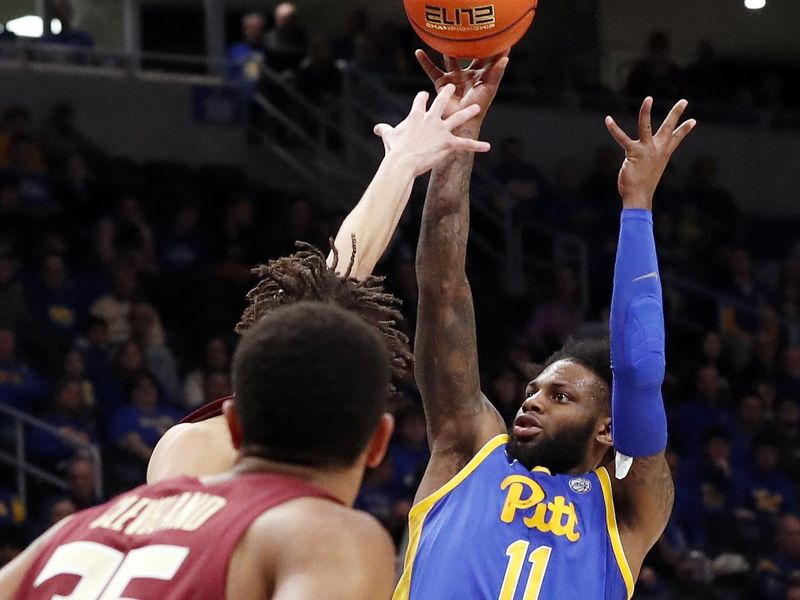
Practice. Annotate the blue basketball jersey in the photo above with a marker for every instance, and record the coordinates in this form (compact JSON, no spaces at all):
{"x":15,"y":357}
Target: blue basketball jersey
{"x":498,"y":531}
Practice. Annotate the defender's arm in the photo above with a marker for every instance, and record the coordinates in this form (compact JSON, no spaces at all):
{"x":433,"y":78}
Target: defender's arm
{"x":460,"y":419}
{"x":412,"y":148}
{"x":643,"y":496}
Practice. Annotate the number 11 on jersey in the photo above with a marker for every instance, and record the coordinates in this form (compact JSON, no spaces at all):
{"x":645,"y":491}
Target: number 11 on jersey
{"x":516,"y":553}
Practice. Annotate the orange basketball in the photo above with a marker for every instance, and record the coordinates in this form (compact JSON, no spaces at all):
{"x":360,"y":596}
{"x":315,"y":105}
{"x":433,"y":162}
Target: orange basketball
{"x":470,"y":28}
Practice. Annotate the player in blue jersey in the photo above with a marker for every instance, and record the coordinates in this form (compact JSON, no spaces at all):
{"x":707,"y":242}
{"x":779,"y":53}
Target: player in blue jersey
{"x":539,"y":511}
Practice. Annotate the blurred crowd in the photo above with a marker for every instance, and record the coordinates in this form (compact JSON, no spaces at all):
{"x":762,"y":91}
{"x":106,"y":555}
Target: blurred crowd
{"x":120,"y":284}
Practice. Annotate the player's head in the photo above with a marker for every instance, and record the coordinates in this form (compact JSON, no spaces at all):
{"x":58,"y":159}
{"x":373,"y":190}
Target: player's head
{"x":306,"y":275}
{"x":312,"y":384}
{"x":564,"y":422}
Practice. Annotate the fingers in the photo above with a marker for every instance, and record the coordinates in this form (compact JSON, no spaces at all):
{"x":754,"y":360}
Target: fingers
{"x":459,"y":143}
{"x":431,"y":70}
{"x":616,"y":132}
{"x":452,"y":64}
{"x":462,"y":116}
{"x":420,"y":103}
{"x":645,"y":124}
{"x":671,"y":122}
{"x":441,"y":100}
{"x":495,"y":73}
{"x":381,"y":129}
{"x":681,"y":133}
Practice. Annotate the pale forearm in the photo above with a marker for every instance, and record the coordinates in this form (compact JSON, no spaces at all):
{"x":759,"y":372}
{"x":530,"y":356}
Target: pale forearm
{"x":375,"y":218}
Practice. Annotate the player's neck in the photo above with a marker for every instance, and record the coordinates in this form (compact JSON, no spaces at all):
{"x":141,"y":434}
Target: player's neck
{"x":342,"y":483}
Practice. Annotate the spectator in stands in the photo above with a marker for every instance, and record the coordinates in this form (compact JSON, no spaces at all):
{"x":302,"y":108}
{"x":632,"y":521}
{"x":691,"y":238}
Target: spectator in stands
{"x":409,"y":449}
{"x":182,"y":246}
{"x":782,"y":569}
{"x":82,"y":483}
{"x":57,"y":301}
{"x":714,"y":354}
{"x":71,"y":415}
{"x":751,"y":421}
{"x":13,"y":305}
{"x":656,"y":74}
{"x":707,"y":409}
{"x":358,"y":22}
{"x":766,"y":491}
{"x":113,"y":390}
{"x":134,"y":430}
{"x":318,"y":78}
{"x":148,"y":333}
{"x":507,"y":388}
{"x":764,"y":361}
{"x":13,"y":541}
{"x":286,"y":42}
{"x":127,"y":236}
{"x":62,"y":139}
{"x":69,"y":35}
{"x":787,"y":422}
{"x":114,"y":307}
{"x":33,"y":181}
{"x":95,"y":350}
{"x":246,"y":57}
{"x":383,"y":497}
{"x":216,"y":385}
{"x":17,"y":120}
{"x":526,"y":185}
{"x":216,"y":360}
{"x":20,"y":386}
{"x":74,"y":369}
{"x":554,"y":321}
{"x":58,"y":509}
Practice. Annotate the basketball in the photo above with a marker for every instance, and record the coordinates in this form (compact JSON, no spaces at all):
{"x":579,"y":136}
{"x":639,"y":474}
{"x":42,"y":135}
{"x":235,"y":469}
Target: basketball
{"x":470,"y":28}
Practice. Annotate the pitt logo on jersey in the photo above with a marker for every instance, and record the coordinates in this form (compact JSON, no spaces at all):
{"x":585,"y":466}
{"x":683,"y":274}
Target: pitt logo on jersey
{"x":556,"y":517}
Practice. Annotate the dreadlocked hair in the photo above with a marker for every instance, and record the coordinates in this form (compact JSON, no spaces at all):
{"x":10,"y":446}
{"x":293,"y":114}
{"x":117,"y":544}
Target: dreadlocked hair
{"x":305,"y":275}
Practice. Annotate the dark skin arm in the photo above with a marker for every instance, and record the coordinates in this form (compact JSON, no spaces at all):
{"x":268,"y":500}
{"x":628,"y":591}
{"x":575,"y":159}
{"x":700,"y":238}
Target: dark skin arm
{"x":460,"y":419}
{"x":643,"y":500}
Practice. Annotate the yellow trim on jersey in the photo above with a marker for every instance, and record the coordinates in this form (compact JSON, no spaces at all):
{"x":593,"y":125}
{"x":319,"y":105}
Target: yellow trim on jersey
{"x":541,"y":470}
{"x":418,"y":513}
{"x":613,"y":531}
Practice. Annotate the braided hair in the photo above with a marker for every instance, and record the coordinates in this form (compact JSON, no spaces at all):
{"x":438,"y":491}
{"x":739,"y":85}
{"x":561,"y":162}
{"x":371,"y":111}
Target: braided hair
{"x":305,"y":275}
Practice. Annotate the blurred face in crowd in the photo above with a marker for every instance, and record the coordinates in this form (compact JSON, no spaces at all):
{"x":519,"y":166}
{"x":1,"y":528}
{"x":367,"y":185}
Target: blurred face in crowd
{"x":718,"y":450}
{"x":789,"y":536}
{"x":217,"y":355}
{"x":130,"y":357}
{"x":54,"y":271}
{"x":8,"y":344}
{"x":767,"y":456}
{"x":751,"y":412}
{"x":145,"y":394}
{"x":712,"y":345}
{"x":285,"y":15}
{"x":80,"y":478}
{"x":61,"y":510}
{"x":70,"y":397}
{"x":217,"y":385}
{"x":708,"y":383}
{"x":253,"y":29}
{"x":73,"y":365}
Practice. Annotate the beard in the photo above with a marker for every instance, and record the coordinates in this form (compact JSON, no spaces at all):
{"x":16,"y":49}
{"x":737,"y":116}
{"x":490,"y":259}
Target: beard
{"x":559,"y":452}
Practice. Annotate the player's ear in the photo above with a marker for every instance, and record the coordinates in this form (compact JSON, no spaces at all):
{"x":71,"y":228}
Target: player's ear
{"x":379,"y":443}
{"x":603,"y":434}
{"x":234,"y":425}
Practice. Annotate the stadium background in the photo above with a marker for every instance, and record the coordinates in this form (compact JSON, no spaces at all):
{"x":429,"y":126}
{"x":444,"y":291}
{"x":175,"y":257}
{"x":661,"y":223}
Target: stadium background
{"x":143,"y":171}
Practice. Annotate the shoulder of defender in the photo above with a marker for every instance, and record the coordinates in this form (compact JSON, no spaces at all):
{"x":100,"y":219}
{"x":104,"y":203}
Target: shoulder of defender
{"x":193,"y":449}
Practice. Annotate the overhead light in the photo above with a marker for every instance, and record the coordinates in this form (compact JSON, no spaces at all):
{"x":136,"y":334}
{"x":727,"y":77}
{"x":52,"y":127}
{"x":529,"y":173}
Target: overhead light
{"x":27,"y":26}
{"x":755,"y":4}
{"x":31,"y":26}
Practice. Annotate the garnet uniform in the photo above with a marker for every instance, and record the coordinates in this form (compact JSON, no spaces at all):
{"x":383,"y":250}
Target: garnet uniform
{"x":172,"y":540}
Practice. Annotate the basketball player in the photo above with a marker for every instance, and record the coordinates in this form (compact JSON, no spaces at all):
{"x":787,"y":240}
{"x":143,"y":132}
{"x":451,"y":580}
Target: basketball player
{"x":308,"y":418}
{"x":532,"y":512}
{"x":200,"y":445}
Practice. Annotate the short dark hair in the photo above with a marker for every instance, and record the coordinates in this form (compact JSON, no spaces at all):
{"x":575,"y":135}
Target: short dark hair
{"x":305,"y":275}
{"x":311,"y":380}
{"x":592,"y":353}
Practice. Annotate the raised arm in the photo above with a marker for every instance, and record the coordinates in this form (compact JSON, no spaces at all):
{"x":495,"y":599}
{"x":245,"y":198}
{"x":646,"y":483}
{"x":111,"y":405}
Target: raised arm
{"x":460,"y":419}
{"x":412,"y":148}
{"x":643,"y":496}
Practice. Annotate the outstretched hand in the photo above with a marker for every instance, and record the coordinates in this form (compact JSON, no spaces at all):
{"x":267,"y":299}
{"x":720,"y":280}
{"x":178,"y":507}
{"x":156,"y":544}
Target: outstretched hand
{"x":425,"y":136}
{"x":476,"y":84}
{"x":647,"y":157}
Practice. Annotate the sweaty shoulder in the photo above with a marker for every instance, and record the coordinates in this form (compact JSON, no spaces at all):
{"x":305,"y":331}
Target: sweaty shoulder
{"x":315,"y":548}
{"x":193,"y":449}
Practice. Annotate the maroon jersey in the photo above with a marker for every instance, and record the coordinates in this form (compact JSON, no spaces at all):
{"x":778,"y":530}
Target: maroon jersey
{"x":169,"y":541}
{"x":207,"y":411}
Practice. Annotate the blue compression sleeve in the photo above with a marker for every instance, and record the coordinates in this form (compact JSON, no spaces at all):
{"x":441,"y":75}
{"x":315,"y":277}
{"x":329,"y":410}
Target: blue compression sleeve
{"x":639,"y":423}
